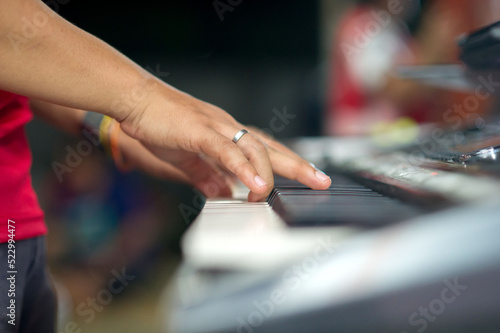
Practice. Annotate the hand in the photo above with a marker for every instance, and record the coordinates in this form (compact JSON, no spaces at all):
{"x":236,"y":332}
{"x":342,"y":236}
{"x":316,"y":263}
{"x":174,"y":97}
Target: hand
{"x":136,"y":156}
{"x":170,"y":121}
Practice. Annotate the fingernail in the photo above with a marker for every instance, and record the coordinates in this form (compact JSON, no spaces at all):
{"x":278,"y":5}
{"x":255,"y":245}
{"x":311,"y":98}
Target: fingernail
{"x":322,"y":176}
{"x":259,"y":181}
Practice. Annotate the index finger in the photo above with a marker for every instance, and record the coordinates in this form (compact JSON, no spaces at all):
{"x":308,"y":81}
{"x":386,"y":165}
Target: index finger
{"x":299,"y":170}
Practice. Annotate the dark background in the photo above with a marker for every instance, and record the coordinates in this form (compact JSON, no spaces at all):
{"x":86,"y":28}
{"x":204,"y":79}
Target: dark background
{"x":263,"y":55}
{"x":253,"y":30}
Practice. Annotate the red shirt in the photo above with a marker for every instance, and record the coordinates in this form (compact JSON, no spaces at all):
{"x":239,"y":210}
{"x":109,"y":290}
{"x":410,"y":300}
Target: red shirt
{"x":349,"y":101}
{"x":18,"y":201}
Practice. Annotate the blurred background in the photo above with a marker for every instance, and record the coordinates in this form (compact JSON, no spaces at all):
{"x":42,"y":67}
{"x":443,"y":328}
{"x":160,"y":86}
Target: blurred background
{"x":316,"y":61}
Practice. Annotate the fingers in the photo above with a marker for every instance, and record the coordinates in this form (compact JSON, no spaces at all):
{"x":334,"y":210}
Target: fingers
{"x":140,"y":158}
{"x":211,"y":184}
{"x":242,"y":160}
{"x":254,"y":149}
{"x":159,"y":169}
{"x":269,"y":140}
{"x":288,"y":164}
{"x":202,"y":174}
{"x":251,"y":157}
{"x":218,"y":184}
{"x":299,"y":170}
{"x":257,"y":154}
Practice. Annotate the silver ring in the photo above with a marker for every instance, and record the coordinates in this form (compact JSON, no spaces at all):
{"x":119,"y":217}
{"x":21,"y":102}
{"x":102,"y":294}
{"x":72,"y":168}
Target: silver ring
{"x":238,"y":135}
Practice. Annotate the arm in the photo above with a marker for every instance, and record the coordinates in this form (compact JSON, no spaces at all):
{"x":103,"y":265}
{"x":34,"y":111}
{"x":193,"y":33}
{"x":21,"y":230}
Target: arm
{"x":62,"y":64}
{"x":67,"y":119}
{"x":59,"y":62}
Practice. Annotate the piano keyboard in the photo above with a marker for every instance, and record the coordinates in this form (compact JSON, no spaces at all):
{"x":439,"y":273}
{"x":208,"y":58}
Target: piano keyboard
{"x":288,"y":226}
{"x":344,"y":203}
{"x":236,"y":234}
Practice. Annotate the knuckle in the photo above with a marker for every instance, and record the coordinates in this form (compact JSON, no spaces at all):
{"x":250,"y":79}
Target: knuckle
{"x":205,"y":120}
{"x":227,"y":151}
{"x":257,"y":147}
{"x":228,"y":147}
{"x":209,"y":142}
{"x":260,"y":148}
{"x":218,"y":126}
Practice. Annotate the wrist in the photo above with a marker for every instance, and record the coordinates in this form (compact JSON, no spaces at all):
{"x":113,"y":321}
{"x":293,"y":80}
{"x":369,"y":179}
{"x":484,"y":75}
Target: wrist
{"x":104,"y":132}
{"x":145,"y":100}
{"x":95,"y":127}
{"x":131,"y":103}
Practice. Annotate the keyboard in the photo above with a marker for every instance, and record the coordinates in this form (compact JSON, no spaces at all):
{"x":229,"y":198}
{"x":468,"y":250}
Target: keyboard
{"x":383,"y":241}
{"x":346,"y":202}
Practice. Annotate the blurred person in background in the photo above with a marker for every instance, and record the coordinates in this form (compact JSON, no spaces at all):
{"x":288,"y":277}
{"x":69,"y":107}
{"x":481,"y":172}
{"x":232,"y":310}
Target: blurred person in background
{"x":142,"y":121}
{"x":374,"y":38}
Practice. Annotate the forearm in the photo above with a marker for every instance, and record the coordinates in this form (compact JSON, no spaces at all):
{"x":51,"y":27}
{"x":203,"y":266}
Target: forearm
{"x":64,"y":65}
{"x":65,"y":118}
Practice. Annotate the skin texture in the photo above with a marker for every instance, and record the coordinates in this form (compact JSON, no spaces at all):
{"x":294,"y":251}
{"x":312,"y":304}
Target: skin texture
{"x":53,"y":61}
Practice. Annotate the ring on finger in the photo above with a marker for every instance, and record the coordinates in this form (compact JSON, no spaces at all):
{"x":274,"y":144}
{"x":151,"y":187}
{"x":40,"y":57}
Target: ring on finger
{"x":239,"y":135}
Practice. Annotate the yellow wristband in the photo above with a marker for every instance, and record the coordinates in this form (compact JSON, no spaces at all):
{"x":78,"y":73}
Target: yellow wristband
{"x":104,"y":133}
